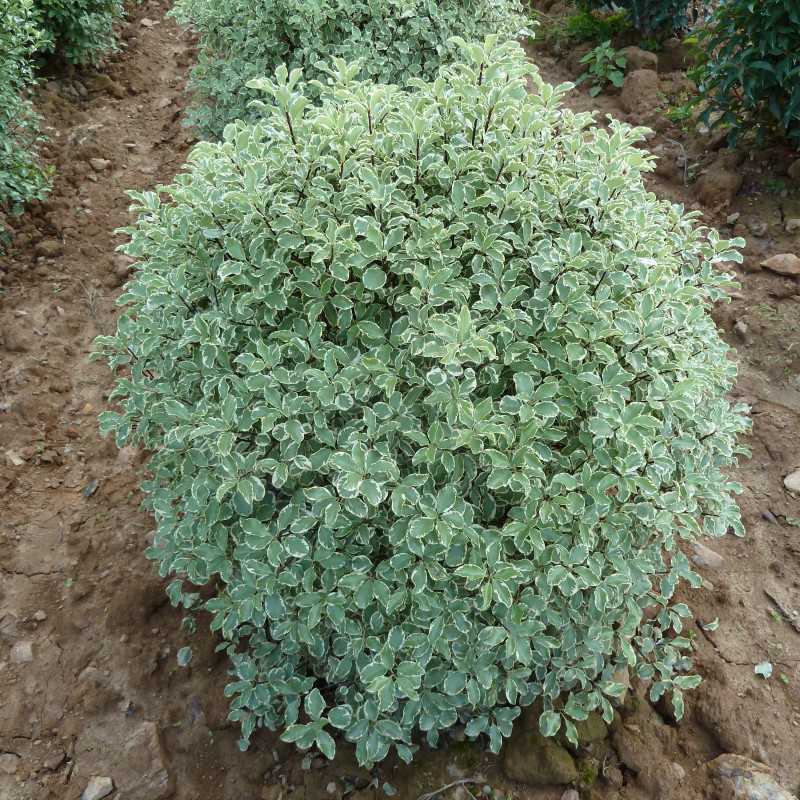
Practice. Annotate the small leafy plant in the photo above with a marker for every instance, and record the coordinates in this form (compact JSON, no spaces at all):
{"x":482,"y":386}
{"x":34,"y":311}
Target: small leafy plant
{"x":79,"y":30}
{"x":606,"y":66}
{"x":394,"y":40}
{"x":420,"y":371}
{"x":751,"y":78}
{"x":21,"y":176}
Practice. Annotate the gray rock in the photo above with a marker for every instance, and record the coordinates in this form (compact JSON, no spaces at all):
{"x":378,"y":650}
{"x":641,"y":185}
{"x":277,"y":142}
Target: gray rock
{"x":739,"y":778}
{"x":145,"y":775}
{"x":22,"y":652}
{"x":741,"y":330}
{"x":529,"y":757}
{"x":759,"y":229}
{"x":792,"y":481}
{"x":705,"y":557}
{"x":98,"y":788}
{"x":99,"y":164}
{"x":792,"y":225}
{"x":787,"y":264}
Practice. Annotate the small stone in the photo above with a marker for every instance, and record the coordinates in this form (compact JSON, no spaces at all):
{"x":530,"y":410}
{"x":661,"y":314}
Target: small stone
{"x":637,"y":58}
{"x":99,"y":164}
{"x":40,"y":616}
{"x":768,"y":516}
{"x":332,"y":788}
{"x":758,"y":228}
{"x":148,"y":23}
{"x":705,"y":557}
{"x":9,"y":762}
{"x":792,"y":225}
{"x":740,"y":778}
{"x":12,"y":457}
{"x":570,"y":794}
{"x":784,"y":264}
{"x":49,"y":248}
{"x":741,"y":330}
{"x":98,"y":788}
{"x":22,"y":652}
{"x":792,"y":481}
{"x":732,"y":219}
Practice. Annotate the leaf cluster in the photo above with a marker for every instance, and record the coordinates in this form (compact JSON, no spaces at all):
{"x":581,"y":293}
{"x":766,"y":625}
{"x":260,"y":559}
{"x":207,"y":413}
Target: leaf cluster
{"x":650,"y":17}
{"x":21,"y":177}
{"x":751,"y":78}
{"x":604,"y":66}
{"x":79,"y":31}
{"x":394,"y":39}
{"x":420,"y":372}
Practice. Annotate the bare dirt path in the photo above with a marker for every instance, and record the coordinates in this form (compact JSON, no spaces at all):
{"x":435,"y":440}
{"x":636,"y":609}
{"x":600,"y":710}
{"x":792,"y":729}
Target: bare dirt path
{"x":89,"y":685}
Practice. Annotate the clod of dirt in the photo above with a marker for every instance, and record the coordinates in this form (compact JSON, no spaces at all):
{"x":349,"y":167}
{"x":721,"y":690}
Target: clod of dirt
{"x":792,"y":481}
{"x":674,"y":56}
{"x":720,"y":183}
{"x":792,"y":225}
{"x":739,"y":778}
{"x":640,"y":92}
{"x":49,"y":248}
{"x":99,"y":164}
{"x":98,"y":788}
{"x":528,"y":757}
{"x":639,"y":59}
{"x":9,"y":763}
{"x":784,"y":264}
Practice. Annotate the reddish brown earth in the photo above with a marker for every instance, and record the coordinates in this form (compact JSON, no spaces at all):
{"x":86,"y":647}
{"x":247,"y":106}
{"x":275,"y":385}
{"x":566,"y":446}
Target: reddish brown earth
{"x":89,"y":684}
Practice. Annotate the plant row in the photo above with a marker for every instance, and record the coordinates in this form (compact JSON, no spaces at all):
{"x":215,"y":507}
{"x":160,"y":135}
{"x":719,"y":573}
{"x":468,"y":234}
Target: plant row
{"x":77,"y":31}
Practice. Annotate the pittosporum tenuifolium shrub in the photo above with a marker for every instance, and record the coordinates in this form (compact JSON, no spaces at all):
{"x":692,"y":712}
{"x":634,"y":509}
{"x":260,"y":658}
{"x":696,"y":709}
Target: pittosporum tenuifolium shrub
{"x":21,"y":176}
{"x":79,"y":30}
{"x":395,"y":40}
{"x":751,"y":80}
{"x":433,"y":396}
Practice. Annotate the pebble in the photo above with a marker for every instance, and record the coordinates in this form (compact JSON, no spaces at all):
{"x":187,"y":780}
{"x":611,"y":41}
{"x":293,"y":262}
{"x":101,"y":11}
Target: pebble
{"x":40,"y":616}
{"x":741,"y":330}
{"x":149,"y":23}
{"x":706,"y":557}
{"x":732,"y":219}
{"x":99,"y":164}
{"x":570,"y":794}
{"x":22,"y":652}
{"x":758,"y":228}
{"x":792,"y":481}
{"x":98,"y":788}
{"x":9,"y":763}
{"x":784,"y":264}
{"x":49,"y":248}
{"x":792,"y":225}
{"x":332,"y":788}
{"x":769,"y":517}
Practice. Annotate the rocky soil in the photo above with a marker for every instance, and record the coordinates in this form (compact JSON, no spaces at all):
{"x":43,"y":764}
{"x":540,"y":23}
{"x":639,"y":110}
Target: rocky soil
{"x":93,"y":703}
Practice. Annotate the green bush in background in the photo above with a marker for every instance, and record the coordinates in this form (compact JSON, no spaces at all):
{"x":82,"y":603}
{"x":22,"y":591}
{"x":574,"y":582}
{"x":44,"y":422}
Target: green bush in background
{"x":421,"y":373}
{"x":751,"y":79}
{"x":395,"y":40}
{"x":21,"y":177}
{"x":79,"y":30}
{"x":650,"y":17}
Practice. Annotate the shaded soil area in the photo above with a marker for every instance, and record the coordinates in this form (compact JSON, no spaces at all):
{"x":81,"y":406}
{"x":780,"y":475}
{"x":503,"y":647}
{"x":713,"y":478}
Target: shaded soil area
{"x":89,"y":684}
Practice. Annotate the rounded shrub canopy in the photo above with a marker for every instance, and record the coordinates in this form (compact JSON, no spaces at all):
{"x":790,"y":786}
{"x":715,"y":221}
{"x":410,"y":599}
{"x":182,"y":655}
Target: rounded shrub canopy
{"x":394,"y":39}
{"x":433,"y":394}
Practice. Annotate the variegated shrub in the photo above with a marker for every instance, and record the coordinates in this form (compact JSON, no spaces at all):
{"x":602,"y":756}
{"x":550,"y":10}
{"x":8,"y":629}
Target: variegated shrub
{"x":433,"y":396}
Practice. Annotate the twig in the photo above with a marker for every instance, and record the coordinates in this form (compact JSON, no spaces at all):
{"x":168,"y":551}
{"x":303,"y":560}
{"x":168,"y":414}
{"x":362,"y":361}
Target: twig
{"x":788,"y":615}
{"x":441,"y":789}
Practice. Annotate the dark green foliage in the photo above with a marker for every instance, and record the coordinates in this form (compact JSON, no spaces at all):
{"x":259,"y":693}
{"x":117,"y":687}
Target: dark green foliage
{"x":752,"y":77}
{"x":648,"y":16}
{"x":585,"y":26}
{"x":79,"y":30}
{"x":21,"y":177}
{"x":393,"y":39}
